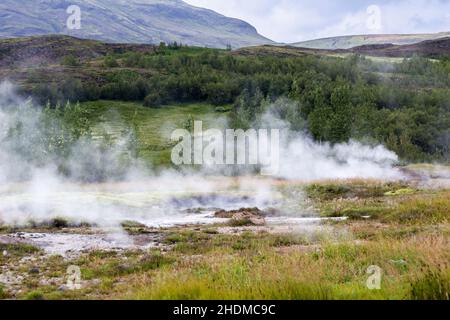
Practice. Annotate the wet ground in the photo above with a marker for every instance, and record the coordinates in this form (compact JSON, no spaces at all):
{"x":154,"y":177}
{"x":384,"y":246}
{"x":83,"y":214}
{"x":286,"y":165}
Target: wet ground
{"x":157,"y":204}
{"x":71,"y":244}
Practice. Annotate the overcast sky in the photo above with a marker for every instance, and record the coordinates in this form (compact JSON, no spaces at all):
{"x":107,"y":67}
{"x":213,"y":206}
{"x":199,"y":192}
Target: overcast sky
{"x":298,"y":20}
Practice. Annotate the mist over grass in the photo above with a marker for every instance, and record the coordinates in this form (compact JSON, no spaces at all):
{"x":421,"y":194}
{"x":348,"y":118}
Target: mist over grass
{"x":57,"y":163}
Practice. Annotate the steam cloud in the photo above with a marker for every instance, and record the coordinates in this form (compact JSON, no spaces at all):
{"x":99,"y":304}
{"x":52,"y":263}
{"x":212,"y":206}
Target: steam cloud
{"x":302,"y":158}
{"x":36,"y":190}
{"x":306,"y":160}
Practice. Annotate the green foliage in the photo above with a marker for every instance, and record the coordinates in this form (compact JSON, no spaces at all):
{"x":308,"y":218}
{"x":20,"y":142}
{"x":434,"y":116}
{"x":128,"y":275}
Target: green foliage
{"x":49,"y":134}
{"x":247,"y":108}
{"x":359,"y":189}
{"x":333,"y":99}
{"x":70,"y":61}
{"x":154,"y":100}
{"x":35,"y":295}
{"x":63,"y":136}
{"x":110,"y":62}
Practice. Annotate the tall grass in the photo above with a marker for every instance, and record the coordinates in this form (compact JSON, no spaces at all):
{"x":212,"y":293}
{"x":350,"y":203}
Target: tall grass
{"x":434,"y":284}
{"x":337,"y":271}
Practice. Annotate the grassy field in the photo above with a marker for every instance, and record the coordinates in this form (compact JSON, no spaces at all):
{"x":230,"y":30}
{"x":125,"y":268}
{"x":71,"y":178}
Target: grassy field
{"x":153,"y":127}
{"x":402,"y":229}
{"x":408,"y":239}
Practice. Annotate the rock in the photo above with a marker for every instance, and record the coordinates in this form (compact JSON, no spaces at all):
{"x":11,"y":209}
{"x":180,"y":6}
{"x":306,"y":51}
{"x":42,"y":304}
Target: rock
{"x":124,"y":268}
{"x":5,"y":253}
{"x":230,"y":214}
{"x":400,"y":262}
{"x":10,"y":279}
{"x":243,"y":216}
{"x":33,"y":270}
{"x":27,"y":259}
{"x":63,"y":288}
{"x":51,"y":281}
{"x":245,"y":219}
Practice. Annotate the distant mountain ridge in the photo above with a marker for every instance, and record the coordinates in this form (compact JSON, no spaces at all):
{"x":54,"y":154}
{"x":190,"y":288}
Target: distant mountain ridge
{"x":348,"y":42}
{"x":128,"y":21}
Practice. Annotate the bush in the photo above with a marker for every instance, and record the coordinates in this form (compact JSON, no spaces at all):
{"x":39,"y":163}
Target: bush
{"x":110,"y":62}
{"x":154,"y":100}
{"x":35,"y":295}
{"x":70,"y":61}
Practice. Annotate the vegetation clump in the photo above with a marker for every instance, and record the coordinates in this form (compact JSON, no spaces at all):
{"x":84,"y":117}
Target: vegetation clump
{"x":243,"y":217}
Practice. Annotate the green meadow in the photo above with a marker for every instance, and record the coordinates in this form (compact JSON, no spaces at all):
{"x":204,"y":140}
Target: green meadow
{"x":152,"y":126}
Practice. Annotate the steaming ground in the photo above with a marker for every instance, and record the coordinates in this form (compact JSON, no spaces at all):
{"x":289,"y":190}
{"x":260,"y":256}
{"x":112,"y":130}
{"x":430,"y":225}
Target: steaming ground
{"x":113,"y":216}
{"x":98,"y":189}
{"x":36,"y":191}
{"x":159,"y":202}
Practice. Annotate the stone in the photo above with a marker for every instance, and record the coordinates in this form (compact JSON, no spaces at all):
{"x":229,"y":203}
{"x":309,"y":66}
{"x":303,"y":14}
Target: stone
{"x":63,"y":288}
{"x":33,"y":270}
{"x":243,"y":216}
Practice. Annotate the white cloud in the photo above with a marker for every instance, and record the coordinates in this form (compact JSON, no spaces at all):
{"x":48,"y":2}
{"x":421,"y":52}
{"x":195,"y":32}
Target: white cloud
{"x":296,"y":20}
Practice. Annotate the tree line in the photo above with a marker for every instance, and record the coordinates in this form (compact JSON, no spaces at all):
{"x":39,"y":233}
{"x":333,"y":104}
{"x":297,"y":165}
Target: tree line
{"x":405,"y":106}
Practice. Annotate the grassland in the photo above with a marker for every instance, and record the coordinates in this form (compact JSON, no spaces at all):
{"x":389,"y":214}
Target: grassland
{"x":153,"y":127}
{"x":413,"y":253}
{"x":401,"y":228}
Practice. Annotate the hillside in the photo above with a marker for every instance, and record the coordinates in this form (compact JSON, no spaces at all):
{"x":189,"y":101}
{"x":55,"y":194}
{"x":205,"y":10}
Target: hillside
{"x":412,"y":94}
{"x":46,"y":59}
{"x":429,"y":49}
{"x":42,"y":50}
{"x":132,"y":21}
{"x":52,"y":49}
{"x":347,"y":42}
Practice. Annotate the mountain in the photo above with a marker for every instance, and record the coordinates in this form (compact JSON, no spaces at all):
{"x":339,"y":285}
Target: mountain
{"x":347,"y":42}
{"x":128,"y":21}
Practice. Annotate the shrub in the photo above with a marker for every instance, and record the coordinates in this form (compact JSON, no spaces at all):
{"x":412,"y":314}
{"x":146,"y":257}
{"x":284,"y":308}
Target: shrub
{"x":154,"y":100}
{"x":110,"y":62}
{"x":35,"y":295}
{"x":70,"y":61}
